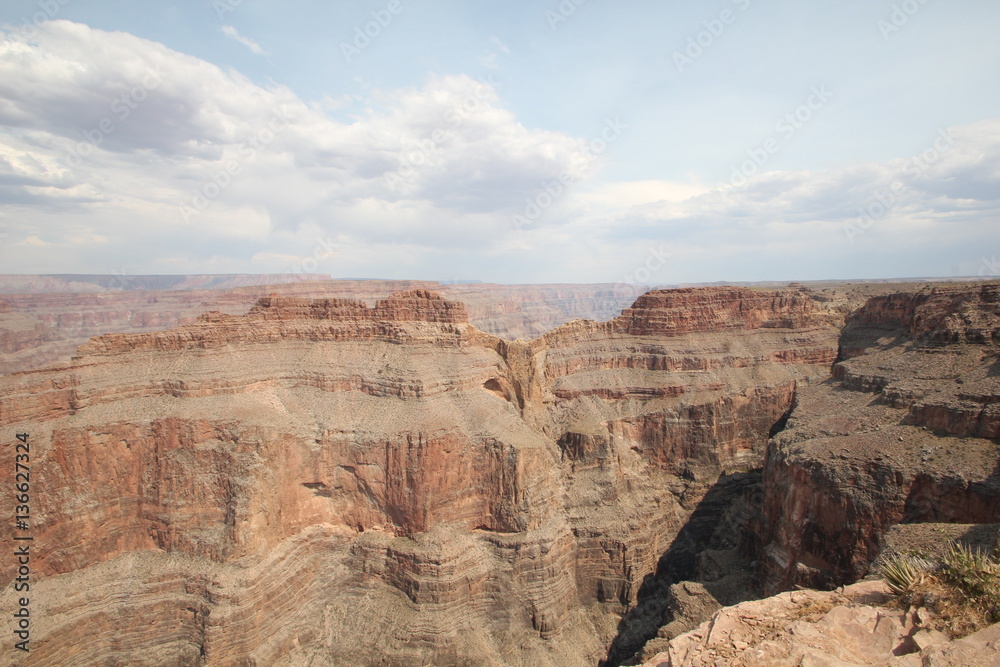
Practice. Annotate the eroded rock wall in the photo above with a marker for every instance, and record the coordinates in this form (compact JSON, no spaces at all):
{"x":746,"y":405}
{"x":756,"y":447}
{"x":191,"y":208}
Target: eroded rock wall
{"x":389,"y":482}
{"x":904,"y":432}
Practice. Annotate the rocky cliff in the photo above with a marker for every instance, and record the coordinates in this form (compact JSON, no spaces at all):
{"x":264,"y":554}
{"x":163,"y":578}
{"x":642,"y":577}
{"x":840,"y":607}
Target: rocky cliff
{"x":903,"y":432}
{"x":694,"y":310}
{"x":332,"y":482}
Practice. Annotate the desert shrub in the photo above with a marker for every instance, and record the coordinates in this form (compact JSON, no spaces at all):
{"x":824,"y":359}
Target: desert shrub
{"x":904,"y":573}
{"x":975,"y":574}
{"x":962,"y":587}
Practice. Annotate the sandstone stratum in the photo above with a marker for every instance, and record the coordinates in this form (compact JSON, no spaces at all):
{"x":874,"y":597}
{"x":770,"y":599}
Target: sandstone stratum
{"x":330,"y":481}
{"x":43,"y":319}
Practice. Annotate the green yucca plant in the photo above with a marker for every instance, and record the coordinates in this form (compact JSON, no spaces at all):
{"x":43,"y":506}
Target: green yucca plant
{"x":962,"y":586}
{"x":904,"y":573}
{"x":976,"y":575}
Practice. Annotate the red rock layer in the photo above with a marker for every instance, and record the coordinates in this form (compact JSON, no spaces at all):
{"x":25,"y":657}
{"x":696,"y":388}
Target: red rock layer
{"x":274,"y":319}
{"x":448,"y":495}
{"x":702,"y":310}
{"x":905,"y":433}
{"x":406,"y":306}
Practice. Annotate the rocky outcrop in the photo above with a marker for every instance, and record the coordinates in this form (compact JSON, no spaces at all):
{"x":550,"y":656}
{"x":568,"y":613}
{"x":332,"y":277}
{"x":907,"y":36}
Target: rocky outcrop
{"x":903,"y":433}
{"x":690,"y":605}
{"x":817,"y":628}
{"x":405,"y":306}
{"x":430,"y":492}
{"x":952,"y":314}
{"x":702,"y":310}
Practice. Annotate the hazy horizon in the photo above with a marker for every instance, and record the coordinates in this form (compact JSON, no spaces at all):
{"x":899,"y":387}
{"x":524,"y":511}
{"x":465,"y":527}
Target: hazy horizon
{"x":128,"y":281}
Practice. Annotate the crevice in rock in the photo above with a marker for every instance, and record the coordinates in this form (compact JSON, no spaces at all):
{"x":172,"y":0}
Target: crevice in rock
{"x":494,"y":387}
{"x":679,"y":563}
{"x":319,"y":488}
{"x":782,"y":422}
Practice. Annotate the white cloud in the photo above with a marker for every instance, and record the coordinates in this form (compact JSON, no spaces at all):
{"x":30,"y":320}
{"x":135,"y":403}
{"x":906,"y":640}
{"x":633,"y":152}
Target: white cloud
{"x":106,"y":138}
{"x":230,"y":31}
{"x":121,"y":130}
{"x":635,"y":193}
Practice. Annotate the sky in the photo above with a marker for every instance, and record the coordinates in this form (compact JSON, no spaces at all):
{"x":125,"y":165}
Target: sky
{"x":515,"y":142}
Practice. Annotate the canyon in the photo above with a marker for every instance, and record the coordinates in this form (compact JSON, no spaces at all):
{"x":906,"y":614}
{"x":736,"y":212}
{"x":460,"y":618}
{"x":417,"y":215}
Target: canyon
{"x":395,"y":474}
{"x":43,"y":319}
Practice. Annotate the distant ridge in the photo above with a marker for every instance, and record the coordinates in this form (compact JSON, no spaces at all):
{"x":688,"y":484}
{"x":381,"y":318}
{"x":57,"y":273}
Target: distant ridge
{"x":82,"y":282}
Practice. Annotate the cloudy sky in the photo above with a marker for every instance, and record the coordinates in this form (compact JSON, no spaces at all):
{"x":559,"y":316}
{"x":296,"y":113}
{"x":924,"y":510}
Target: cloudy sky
{"x":517,"y":142}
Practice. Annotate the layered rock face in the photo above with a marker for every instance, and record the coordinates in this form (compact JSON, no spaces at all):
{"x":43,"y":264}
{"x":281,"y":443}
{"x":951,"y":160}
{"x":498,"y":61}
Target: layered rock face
{"x":44,"y":318}
{"x":328,"y":482}
{"x":904,"y":432}
{"x":692,"y":310}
